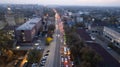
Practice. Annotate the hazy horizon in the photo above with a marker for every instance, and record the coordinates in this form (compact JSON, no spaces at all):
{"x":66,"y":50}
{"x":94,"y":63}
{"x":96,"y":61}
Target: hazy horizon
{"x":65,"y":2}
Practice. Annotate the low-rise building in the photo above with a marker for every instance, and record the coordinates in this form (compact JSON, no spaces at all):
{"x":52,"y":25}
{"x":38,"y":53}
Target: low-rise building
{"x":96,"y":28}
{"x":27,"y":31}
{"x":112,"y":34}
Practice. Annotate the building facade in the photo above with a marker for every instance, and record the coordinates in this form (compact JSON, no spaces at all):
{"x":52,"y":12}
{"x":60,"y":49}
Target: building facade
{"x":113,"y":35}
{"x":96,"y":28}
{"x":28,"y":31}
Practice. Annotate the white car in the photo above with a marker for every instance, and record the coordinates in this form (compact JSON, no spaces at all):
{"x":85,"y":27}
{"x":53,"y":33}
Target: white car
{"x":61,"y":41}
{"x":58,"y":35}
{"x":108,"y":48}
{"x":68,"y":57}
{"x":66,"y":66}
{"x":39,"y":48}
{"x":62,"y":59}
{"x":72,"y":63}
{"x":38,"y":40}
{"x":34,"y":65}
{"x":46,"y":55}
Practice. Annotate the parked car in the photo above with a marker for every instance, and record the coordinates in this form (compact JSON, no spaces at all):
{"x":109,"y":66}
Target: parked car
{"x":34,"y":65}
{"x":108,"y":48}
{"x":48,"y":51}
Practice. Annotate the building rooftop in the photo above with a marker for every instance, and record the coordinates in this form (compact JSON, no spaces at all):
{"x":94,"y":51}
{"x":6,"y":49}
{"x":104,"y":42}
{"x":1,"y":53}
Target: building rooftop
{"x":29,"y":24}
{"x":115,"y":28}
{"x":99,"y":24}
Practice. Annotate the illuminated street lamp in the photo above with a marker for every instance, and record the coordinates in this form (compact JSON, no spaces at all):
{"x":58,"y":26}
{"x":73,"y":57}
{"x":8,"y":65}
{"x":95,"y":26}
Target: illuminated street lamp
{"x":26,"y":61}
{"x":18,"y":47}
{"x":36,"y":44}
{"x":9,"y":8}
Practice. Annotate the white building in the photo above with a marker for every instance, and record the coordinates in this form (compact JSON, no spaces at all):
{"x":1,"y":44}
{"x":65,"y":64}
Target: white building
{"x":113,"y":35}
{"x":13,"y":19}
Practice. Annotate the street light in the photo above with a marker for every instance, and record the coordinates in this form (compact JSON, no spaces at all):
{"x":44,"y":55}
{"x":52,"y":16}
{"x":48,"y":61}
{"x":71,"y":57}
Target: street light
{"x":18,"y":47}
{"x":9,"y":8}
{"x":36,"y":44}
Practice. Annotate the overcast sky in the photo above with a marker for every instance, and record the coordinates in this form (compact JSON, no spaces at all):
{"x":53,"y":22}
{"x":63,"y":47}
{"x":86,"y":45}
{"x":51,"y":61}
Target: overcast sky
{"x":66,"y":2}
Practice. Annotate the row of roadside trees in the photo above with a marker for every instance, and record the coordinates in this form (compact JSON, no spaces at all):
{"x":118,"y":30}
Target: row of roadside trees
{"x":6,"y":44}
{"x":81,"y":54}
{"x":34,"y":56}
{"x":50,"y":33}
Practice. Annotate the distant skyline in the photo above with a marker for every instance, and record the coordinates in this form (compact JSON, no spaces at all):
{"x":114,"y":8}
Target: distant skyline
{"x":65,"y":2}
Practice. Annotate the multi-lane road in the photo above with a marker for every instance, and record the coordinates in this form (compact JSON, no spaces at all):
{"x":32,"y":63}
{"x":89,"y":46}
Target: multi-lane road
{"x":55,"y":57}
{"x":53,"y":60}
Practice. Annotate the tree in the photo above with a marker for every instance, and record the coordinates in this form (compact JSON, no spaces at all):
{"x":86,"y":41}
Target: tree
{"x":51,"y":27}
{"x":9,"y":54}
{"x":4,"y":39}
{"x":113,"y":20}
{"x":85,"y":64}
{"x":34,"y":56}
{"x":72,"y":38}
{"x":73,"y":51}
{"x":79,"y":51}
{"x":48,"y":11}
{"x":80,"y":25}
{"x":89,"y":55}
{"x":5,"y":45}
{"x":48,"y":40}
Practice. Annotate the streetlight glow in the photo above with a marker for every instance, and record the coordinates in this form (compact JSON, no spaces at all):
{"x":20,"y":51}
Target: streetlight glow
{"x":18,"y":47}
{"x":9,"y":8}
{"x":36,"y":44}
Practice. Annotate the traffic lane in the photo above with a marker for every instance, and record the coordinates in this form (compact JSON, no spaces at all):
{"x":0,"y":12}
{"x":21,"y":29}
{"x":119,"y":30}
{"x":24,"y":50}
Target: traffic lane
{"x":107,"y":58}
{"x":51,"y":47}
{"x":64,"y":60}
{"x":65,"y":57}
{"x":58,"y":42}
{"x":57,"y":51}
{"x":52,"y":58}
